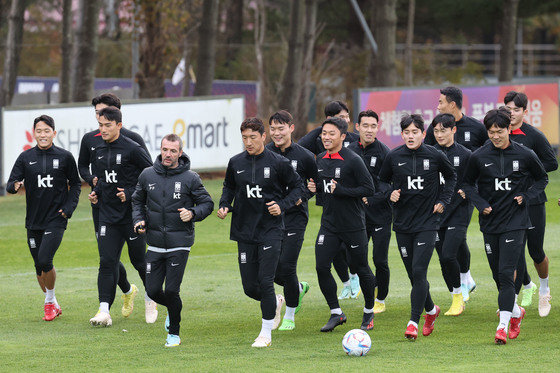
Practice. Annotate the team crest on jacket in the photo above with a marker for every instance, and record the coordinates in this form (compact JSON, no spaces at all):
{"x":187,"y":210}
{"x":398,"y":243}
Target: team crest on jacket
{"x":337,"y":172}
{"x":118,"y":159}
{"x":456,"y":161}
{"x":426,"y":164}
{"x":55,"y":164}
{"x":177,"y":186}
{"x":294,"y":164}
{"x":267,"y":172}
{"x":467,"y":136}
{"x":373,"y":161}
{"x":515,"y":165}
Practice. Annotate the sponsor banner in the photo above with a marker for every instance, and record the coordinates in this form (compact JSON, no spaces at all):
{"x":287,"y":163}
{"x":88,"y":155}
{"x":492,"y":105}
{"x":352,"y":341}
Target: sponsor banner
{"x":209,"y":128}
{"x":391,"y":104}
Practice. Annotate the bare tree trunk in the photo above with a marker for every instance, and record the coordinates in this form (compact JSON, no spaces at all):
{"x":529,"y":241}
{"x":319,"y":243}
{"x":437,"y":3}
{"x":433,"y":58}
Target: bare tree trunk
{"x":291,"y":84}
{"x":259,"y":33}
{"x":408,"y":77}
{"x":507,"y":42}
{"x":85,"y":50}
{"x":66,"y":52}
{"x":206,"y":61}
{"x":382,"y":68}
{"x":301,"y":116}
{"x":112,"y":22}
{"x":13,"y":50}
{"x":234,"y":29}
{"x":151,"y":78}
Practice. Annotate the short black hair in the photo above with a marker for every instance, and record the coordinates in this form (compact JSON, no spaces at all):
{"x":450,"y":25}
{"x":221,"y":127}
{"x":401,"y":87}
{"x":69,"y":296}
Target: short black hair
{"x":252,"y":123}
{"x":111,"y":113}
{"x":415,"y":119}
{"x":501,"y":118}
{"x":108,"y":99}
{"x":282,"y":117}
{"x":338,"y":123}
{"x":446,"y":121}
{"x":518,"y":98}
{"x":367,"y":113}
{"x":335,"y":107}
{"x":44,"y":118}
{"x":453,"y":94}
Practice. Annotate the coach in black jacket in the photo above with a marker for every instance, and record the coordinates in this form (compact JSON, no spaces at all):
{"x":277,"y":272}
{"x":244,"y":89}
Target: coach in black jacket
{"x":168,"y":199}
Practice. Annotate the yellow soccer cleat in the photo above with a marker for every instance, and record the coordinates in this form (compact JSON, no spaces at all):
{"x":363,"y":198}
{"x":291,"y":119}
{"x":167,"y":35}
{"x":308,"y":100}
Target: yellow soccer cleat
{"x":457,"y":306}
{"x":378,"y":307}
{"x":128,"y":301}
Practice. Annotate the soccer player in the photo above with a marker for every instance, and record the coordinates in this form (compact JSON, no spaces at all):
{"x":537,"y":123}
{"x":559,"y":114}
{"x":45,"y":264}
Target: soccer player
{"x":508,"y":175}
{"x":455,"y":219}
{"x":295,"y":219}
{"x":255,"y":193}
{"x":342,"y":181}
{"x":119,"y":161}
{"x":168,"y":200}
{"x":91,"y":141}
{"x":414,"y":169}
{"x":378,"y":209}
{"x":52,"y":189}
{"x":471,"y":134}
{"x":525,"y":134}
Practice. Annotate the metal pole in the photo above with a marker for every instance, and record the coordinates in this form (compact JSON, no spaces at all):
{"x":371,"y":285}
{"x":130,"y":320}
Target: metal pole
{"x":364,"y":24}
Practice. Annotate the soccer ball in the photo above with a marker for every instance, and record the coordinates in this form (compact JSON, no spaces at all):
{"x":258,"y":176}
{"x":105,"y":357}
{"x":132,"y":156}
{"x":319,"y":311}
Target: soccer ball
{"x":356,"y":342}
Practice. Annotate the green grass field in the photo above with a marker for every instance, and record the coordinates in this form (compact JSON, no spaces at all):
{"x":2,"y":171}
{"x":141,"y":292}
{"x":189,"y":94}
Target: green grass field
{"x":220,"y":322}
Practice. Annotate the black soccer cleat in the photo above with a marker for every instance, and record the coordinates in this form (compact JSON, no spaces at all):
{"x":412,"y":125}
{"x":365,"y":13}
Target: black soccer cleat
{"x":333,"y":322}
{"x":367,"y":321}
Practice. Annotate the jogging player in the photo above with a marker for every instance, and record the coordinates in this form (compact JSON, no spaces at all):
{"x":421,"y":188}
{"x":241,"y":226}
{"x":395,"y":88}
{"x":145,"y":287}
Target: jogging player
{"x":378,"y":209}
{"x":455,"y":219}
{"x":52,"y":189}
{"x":414,"y":169}
{"x":295,"y":218}
{"x":168,"y":200}
{"x":119,"y":161}
{"x":342,"y":181}
{"x":525,"y":134}
{"x":508,"y":175}
{"x":91,"y":141}
{"x":255,"y":192}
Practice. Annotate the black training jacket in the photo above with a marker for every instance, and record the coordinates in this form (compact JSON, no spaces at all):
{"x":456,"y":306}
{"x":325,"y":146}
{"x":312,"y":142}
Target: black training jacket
{"x":47,"y":175}
{"x":536,"y":141}
{"x":303,"y":162}
{"x":378,"y":209}
{"x":471,"y":133}
{"x":118,"y":164}
{"x":501,"y":175}
{"x":457,"y":213}
{"x":343,"y":210}
{"x":251,"y":181}
{"x":160,"y":193}
{"x":312,"y":141}
{"x":416,"y":174}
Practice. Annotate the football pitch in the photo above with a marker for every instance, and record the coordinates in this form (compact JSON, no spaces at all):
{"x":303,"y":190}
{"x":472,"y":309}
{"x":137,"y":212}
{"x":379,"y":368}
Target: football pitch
{"x":219,"y":322}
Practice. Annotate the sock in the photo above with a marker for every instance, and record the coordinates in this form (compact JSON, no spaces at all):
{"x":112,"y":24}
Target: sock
{"x":505,"y":316}
{"x":49,"y":297}
{"x":368,"y":310}
{"x":544,"y":286}
{"x":266,"y":329}
{"x":432,"y":311}
{"x":464,"y":278}
{"x":412,"y":323}
{"x":147,"y":298}
{"x":353,"y":275}
{"x":346,"y":284}
{"x":469,"y":278}
{"x":104,"y":307}
{"x":129,"y":291}
{"x":529,"y":285}
{"x":516,"y":311}
{"x":290,"y":313}
{"x":382,"y":301}
{"x":336,"y":311}
{"x":456,"y":291}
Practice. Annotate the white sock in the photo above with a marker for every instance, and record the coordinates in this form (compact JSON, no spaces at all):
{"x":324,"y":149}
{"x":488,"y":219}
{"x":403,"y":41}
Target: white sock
{"x":49,"y":296}
{"x":336,"y":311}
{"x":382,"y":301}
{"x":104,"y":307}
{"x":290,"y":313}
{"x":544,"y":286}
{"x":516,"y":311}
{"x":469,"y":278}
{"x":147,"y":298}
{"x":353,"y":275}
{"x":432,"y":311}
{"x":456,"y":291}
{"x":346,"y":284}
{"x":266,"y":328}
{"x":368,"y":310}
{"x":529,"y":285}
{"x":464,"y":278}
{"x":412,"y":323}
{"x":505,"y":316}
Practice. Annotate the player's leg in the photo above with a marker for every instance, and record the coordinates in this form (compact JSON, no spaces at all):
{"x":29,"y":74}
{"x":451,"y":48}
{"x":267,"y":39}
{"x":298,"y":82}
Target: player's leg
{"x":249,"y":268}
{"x":528,"y":290}
{"x":420,"y":296}
{"x":176,"y":262}
{"x":464,"y":258}
{"x":137,"y":253}
{"x":535,"y":244}
{"x":355,"y":289}
{"x":49,"y":245}
{"x":34,"y":238}
{"x":405,"y":243}
{"x":453,"y":238}
{"x":440,"y":239}
{"x":341,"y":267}
{"x":381,"y":236}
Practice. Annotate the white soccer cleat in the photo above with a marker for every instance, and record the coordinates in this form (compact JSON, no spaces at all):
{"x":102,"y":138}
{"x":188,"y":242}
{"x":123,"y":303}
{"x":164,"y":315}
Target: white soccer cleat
{"x":261,"y":342}
{"x":277,"y":317}
{"x":151,"y":312}
{"x":101,"y":319}
{"x":544,"y":304}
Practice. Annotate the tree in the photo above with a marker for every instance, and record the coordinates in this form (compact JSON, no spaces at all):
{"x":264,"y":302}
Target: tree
{"x":408,"y":77}
{"x":66,"y":52}
{"x":259,"y":32}
{"x":382,"y":68}
{"x":85,"y":50}
{"x":234,"y":29}
{"x":206,"y":61}
{"x":507,"y":40}
{"x":13,"y":50}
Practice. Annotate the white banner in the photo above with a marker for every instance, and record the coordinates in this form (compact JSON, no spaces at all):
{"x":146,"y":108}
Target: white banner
{"x":209,"y":128}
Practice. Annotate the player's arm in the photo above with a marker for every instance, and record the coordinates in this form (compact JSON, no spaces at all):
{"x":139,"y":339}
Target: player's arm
{"x":365,"y":186}
{"x":308,"y":141}
{"x":15,"y":181}
{"x":228,"y":192}
{"x":472,"y":174}
{"x":386,"y":177}
{"x":139,"y":139}
{"x":540,"y":176}
{"x":546,"y":154}
{"x":142,"y":161}
{"x":203,"y":204}
{"x":139,"y":198}
{"x":83,"y":162}
{"x":310,"y":172}
{"x":75,"y":185}
{"x":289,"y":178}
{"x":450,"y":177}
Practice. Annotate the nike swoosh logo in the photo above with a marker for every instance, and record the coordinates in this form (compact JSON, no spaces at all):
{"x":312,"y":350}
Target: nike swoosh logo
{"x":240,"y":171}
{"x":354,"y":246}
{"x":266,"y":247}
{"x":400,"y":164}
{"x":450,"y":228}
{"x":508,"y":241}
{"x":378,"y":229}
{"x":421,"y":243}
{"x":174,"y":264}
{"x":92,"y":148}
{"x":488,"y":164}
{"x":32,"y":162}
{"x":132,"y":238}
{"x":47,"y":233}
{"x":100,"y":157}
{"x":319,"y":170}
{"x":290,"y":234}
{"x":151,"y":185}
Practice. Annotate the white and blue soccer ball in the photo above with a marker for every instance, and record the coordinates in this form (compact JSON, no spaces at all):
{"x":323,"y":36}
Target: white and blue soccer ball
{"x":356,"y":342}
